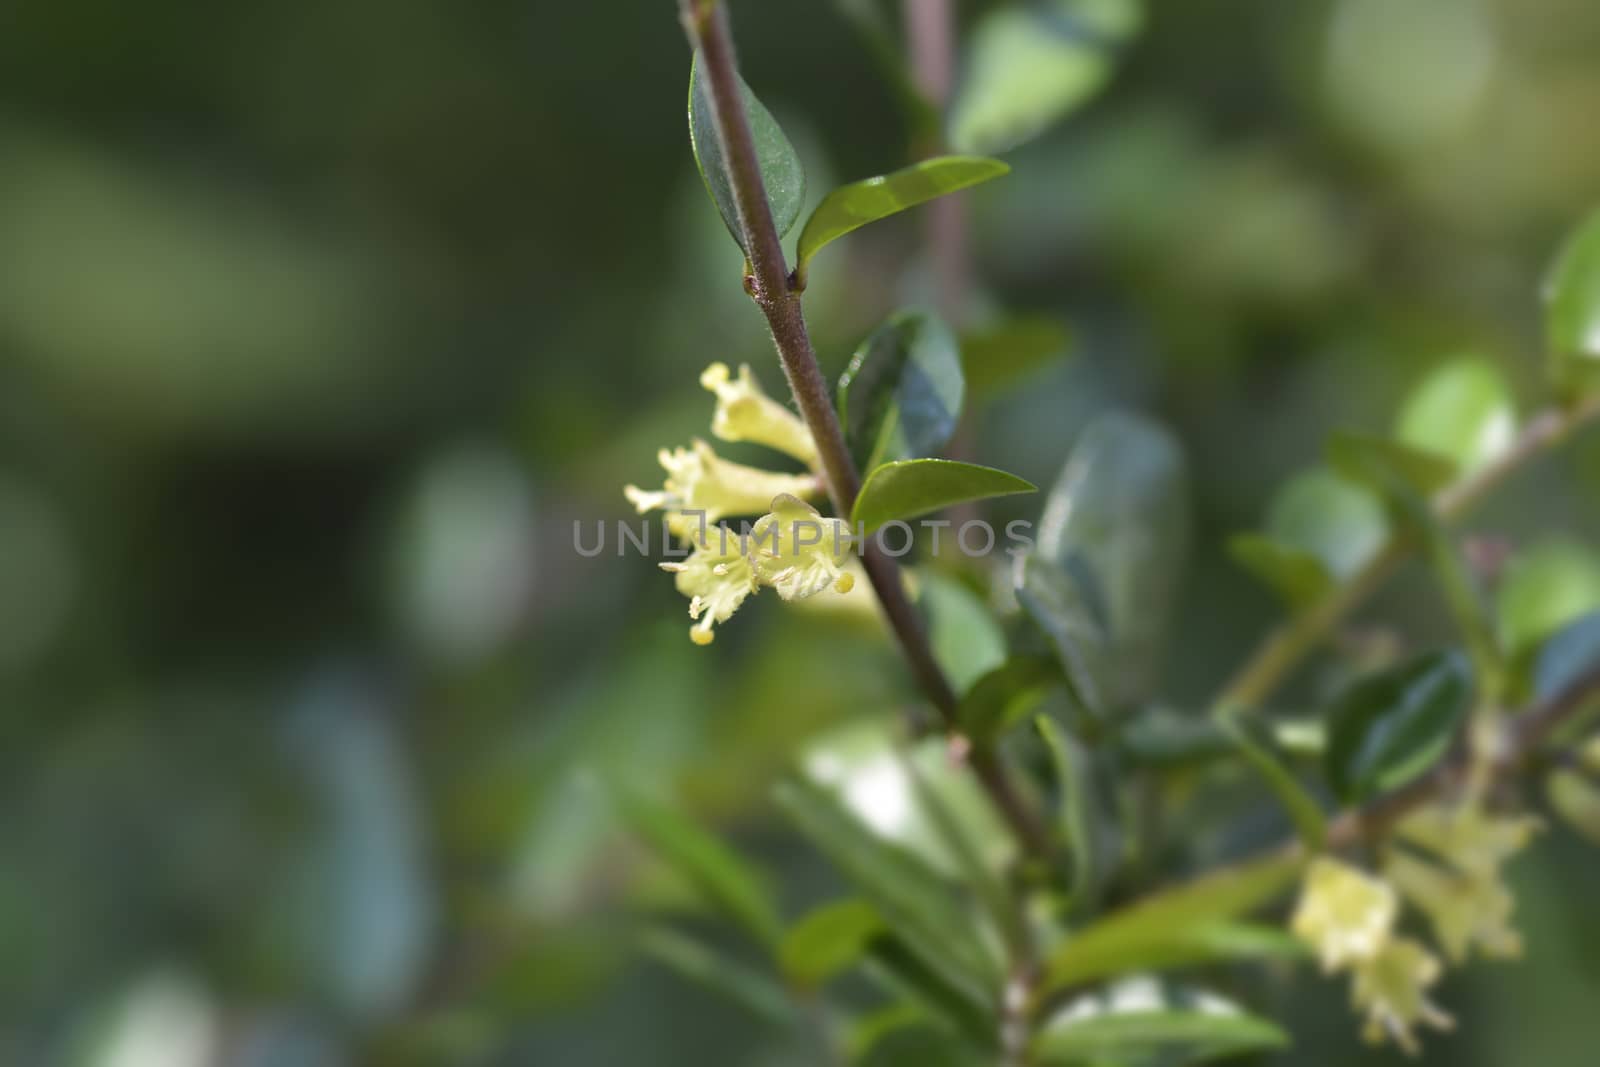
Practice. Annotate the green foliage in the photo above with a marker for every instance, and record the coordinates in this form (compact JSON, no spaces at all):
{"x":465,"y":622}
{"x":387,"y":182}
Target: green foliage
{"x":1567,"y":656}
{"x":1001,"y":698}
{"x":714,"y":971}
{"x":1002,"y":353}
{"x":1572,"y":308}
{"x":1069,"y":608}
{"x":1390,"y":727}
{"x":1463,"y":411}
{"x":901,"y":395}
{"x":781,"y":171}
{"x":909,"y":488}
{"x":966,"y":640}
{"x":828,"y":940}
{"x":1377,"y":462}
{"x":1078,"y":816}
{"x":1123,"y":1027}
{"x":1303,"y":810}
{"x":1546,"y":587}
{"x":852,"y":206}
{"x":1300,"y":578}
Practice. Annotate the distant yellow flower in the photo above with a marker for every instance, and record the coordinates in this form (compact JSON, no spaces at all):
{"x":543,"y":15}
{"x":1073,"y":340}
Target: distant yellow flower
{"x":1466,"y":908}
{"x":1345,"y":914}
{"x":746,"y":413}
{"x":798,"y":552}
{"x":716,"y":578}
{"x":700,"y":481}
{"x":1391,"y":986}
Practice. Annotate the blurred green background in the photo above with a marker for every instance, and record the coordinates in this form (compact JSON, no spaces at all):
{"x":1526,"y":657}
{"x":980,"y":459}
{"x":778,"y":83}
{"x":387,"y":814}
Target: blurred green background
{"x":320,"y":325}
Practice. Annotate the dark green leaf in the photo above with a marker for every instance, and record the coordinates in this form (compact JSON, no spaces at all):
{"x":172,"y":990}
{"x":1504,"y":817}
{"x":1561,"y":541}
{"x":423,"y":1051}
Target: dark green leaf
{"x":1569,"y":655}
{"x":1390,"y":727}
{"x":1299,"y":577}
{"x":724,"y":879}
{"x":1301,"y":806}
{"x":901,"y":395}
{"x":913,"y":487}
{"x":1374,"y":461}
{"x":955,"y":1008}
{"x":852,"y":206}
{"x":923,"y":1046}
{"x":998,"y":355}
{"x":1028,"y":67}
{"x":1077,"y":814}
{"x":1124,"y":1029}
{"x":1463,"y":411}
{"x":1119,"y":511}
{"x":715,"y":971}
{"x":827,"y":941}
{"x":1572,"y":309}
{"x":1171,"y":924}
{"x":998,"y":700}
{"x":1329,"y":518}
{"x":781,"y":172}
{"x":1067,"y":607}
{"x":966,"y":640}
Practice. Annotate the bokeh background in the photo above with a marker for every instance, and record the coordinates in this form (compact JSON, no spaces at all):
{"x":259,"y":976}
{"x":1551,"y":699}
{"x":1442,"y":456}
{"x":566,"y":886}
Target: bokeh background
{"x":320,"y":325}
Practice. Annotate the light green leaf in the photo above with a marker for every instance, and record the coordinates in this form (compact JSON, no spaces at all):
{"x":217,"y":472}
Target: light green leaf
{"x":966,"y":640}
{"x":1463,"y":411}
{"x":1576,"y":798}
{"x":901,"y":395}
{"x":913,"y":487}
{"x":1552,"y":584}
{"x":719,"y":973}
{"x":781,"y":172}
{"x":1173,"y":925}
{"x":1135,"y":1025}
{"x":923,"y":1046}
{"x":998,"y":355}
{"x":1077,"y":815}
{"x":998,"y":700}
{"x":827,"y":941}
{"x":852,"y":206}
{"x":1303,"y":810}
{"x":1028,"y":67}
{"x":1371,"y":460}
{"x":1330,"y":518}
{"x":1300,"y":578}
{"x":1390,"y":727}
{"x":1119,"y":512}
{"x":725,"y":880}
{"x":1567,"y":656}
{"x":1572,"y":309}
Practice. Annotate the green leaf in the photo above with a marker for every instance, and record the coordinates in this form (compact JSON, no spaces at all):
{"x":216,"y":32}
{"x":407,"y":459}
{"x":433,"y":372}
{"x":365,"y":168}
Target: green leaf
{"x":1068,"y":607}
{"x":1123,"y":1027}
{"x":908,"y":488}
{"x":1373,"y":461}
{"x":998,"y":355}
{"x":1570,"y":654}
{"x":1572,"y":309}
{"x":1028,"y":67}
{"x":1576,"y":798}
{"x":955,"y":1009}
{"x":725,"y":880}
{"x":1119,"y":511}
{"x":1390,"y":727}
{"x":922,"y":1046}
{"x":1173,"y":925}
{"x":827,"y":941}
{"x":1077,"y":814}
{"x":1303,"y":810}
{"x":966,"y":640}
{"x":1329,"y":518}
{"x":781,"y":172}
{"x":1544,"y":589}
{"x":901,"y":395}
{"x":852,"y":206}
{"x":719,"y":973}
{"x":1463,"y":411}
{"x":997,"y":701}
{"x":1300,"y":578}
{"x":911,"y":897}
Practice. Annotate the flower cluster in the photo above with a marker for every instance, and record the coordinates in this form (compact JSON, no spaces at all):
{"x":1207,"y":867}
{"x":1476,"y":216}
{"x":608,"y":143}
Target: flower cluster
{"x":791,"y":547}
{"x":1446,"y":861}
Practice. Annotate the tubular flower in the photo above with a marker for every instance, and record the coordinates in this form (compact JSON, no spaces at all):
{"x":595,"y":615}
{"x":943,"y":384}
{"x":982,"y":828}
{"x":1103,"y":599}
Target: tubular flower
{"x":716,"y":578}
{"x":746,"y":413}
{"x":1344,"y":913}
{"x":1391,"y":988}
{"x":702,"y":487}
{"x":798,"y":552}
{"x":1466,"y":909}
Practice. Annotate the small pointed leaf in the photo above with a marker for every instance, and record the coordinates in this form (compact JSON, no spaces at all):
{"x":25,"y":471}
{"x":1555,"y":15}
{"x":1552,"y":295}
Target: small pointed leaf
{"x":909,"y":488}
{"x":1390,"y":727}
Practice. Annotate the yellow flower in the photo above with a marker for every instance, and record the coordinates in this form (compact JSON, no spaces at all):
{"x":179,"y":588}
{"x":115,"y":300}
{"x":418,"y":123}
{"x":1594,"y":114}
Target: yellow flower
{"x":798,"y":552}
{"x":716,"y":578}
{"x":1344,"y":914}
{"x":1471,"y":839}
{"x":745,"y":413}
{"x":1466,"y":909}
{"x":1391,"y":985}
{"x":702,"y":487}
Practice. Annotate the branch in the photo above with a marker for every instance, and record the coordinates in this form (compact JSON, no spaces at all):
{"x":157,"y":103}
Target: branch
{"x":1282,"y":651}
{"x":706,"y":23}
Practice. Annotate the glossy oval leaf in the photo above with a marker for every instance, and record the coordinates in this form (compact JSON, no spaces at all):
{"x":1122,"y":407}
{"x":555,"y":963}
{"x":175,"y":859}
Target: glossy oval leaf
{"x":781,"y":172}
{"x":852,"y":206}
{"x":1300,"y":578}
{"x":827,"y":941}
{"x":1572,"y":309}
{"x":1029,"y":66}
{"x":999,"y":354}
{"x":909,"y":488}
{"x":1133,"y":1024}
{"x":1390,"y":727}
{"x":901,"y":395}
{"x":1329,"y":518}
{"x":1464,"y":411}
{"x":1546,"y":587}
{"x":1119,"y":511}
